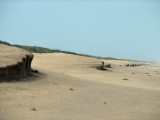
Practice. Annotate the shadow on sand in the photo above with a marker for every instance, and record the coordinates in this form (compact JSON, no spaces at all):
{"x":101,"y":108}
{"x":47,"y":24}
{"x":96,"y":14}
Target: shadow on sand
{"x":33,"y":76}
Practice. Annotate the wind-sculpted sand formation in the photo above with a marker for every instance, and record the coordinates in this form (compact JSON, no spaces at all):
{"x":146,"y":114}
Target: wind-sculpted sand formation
{"x":70,"y":87}
{"x":14,"y":62}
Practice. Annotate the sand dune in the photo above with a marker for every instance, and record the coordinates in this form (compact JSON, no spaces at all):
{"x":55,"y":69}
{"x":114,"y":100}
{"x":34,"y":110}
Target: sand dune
{"x":69,"y":87}
{"x":144,"y":76}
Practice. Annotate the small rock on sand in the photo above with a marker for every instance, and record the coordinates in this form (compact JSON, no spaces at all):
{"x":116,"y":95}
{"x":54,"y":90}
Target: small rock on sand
{"x":34,"y":109}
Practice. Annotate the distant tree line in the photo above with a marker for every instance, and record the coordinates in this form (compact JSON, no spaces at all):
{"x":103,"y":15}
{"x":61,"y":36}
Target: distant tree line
{"x":37,"y":49}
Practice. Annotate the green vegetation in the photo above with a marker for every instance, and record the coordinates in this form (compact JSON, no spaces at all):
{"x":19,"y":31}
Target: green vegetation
{"x":3,"y":42}
{"x":34,"y":49}
{"x":37,"y":49}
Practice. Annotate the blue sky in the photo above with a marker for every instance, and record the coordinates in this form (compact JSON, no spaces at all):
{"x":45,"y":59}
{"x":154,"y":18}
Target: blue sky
{"x":120,"y":29}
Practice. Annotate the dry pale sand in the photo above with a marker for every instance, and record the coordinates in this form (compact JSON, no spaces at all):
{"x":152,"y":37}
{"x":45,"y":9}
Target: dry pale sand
{"x":11,"y":55}
{"x":69,"y":87}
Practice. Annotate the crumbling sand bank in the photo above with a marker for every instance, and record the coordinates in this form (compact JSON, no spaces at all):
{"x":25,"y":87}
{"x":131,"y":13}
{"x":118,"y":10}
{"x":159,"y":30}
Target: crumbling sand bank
{"x":14,"y":62}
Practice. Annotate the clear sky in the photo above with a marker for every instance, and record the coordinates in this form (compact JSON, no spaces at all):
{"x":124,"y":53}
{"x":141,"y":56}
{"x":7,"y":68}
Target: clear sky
{"x":120,"y":29}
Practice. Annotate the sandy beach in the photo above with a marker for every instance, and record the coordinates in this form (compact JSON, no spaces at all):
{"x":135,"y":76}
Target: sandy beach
{"x":79,"y":60}
{"x":70,"y":87}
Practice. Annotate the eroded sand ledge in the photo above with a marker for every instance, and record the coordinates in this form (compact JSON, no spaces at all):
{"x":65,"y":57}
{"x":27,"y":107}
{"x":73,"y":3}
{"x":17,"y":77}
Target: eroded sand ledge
{"x":14,"y":62}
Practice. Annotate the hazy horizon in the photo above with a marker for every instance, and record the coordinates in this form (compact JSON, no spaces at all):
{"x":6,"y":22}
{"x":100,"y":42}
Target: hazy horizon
{"x":119,"y":29}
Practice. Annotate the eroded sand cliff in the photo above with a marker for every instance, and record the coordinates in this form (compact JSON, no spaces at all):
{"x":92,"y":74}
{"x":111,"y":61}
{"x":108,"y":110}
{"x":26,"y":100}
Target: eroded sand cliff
{"x":14,"y":62}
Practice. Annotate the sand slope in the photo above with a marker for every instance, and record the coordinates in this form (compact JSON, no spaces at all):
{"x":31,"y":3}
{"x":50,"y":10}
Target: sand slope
{"x":70,"y":87}
{"x":10,"y":55}
{"x":14,"y":62}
